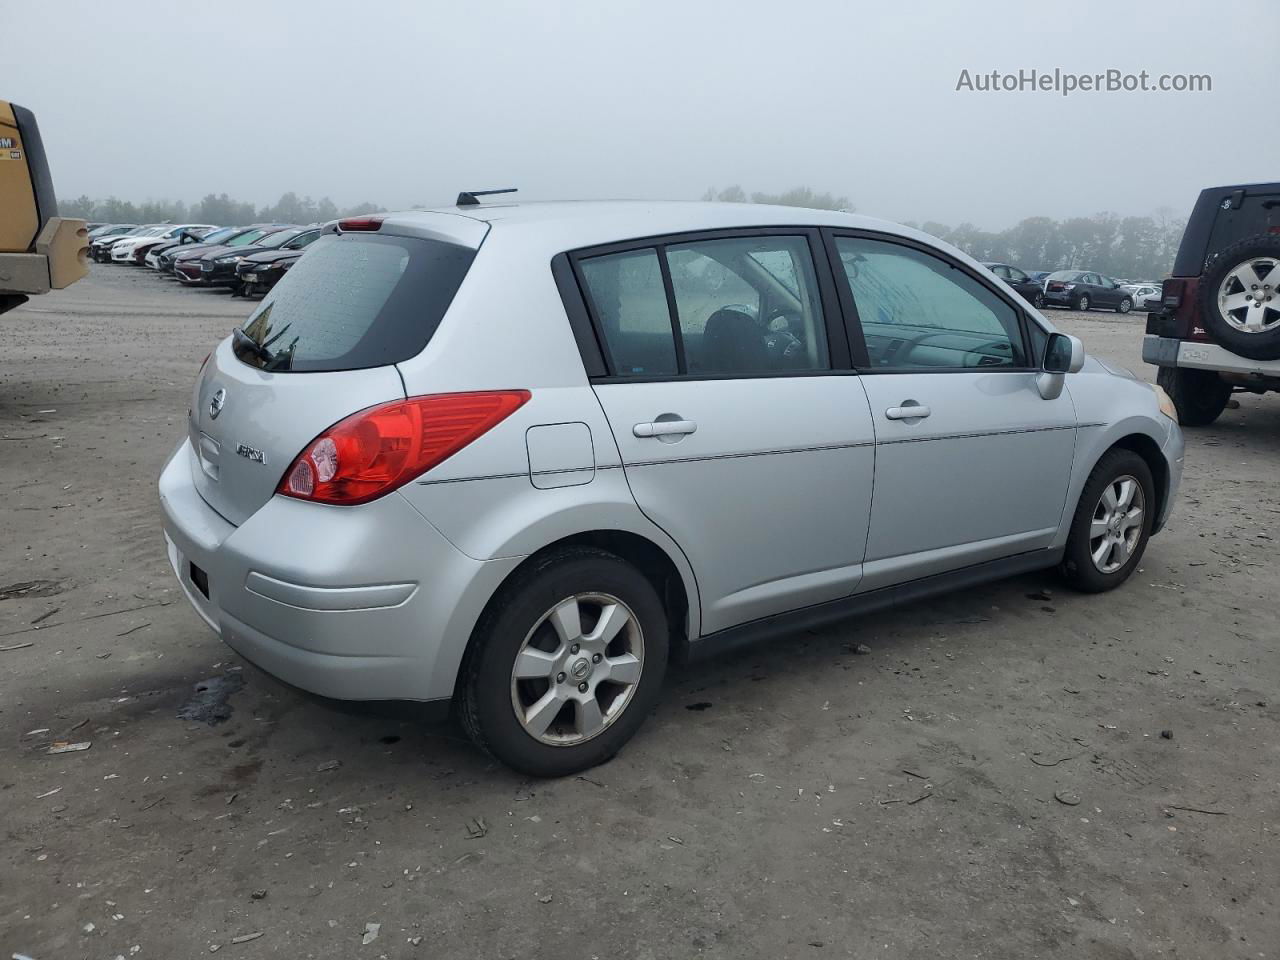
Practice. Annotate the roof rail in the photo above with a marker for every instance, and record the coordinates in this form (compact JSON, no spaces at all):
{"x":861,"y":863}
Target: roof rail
{"x":468,"y":197}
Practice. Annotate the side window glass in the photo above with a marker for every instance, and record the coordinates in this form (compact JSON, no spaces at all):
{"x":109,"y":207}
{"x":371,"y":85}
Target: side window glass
{"x":1002,"y":272}
{"x":630,"y":303}
{"x":918,"y":312}
{"x":748,"y":306}
{"x":1017,"y":275}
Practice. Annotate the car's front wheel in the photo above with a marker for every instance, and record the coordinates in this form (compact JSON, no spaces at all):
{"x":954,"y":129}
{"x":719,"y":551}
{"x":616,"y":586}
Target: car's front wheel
{"x":1124,"y":306}
{"x":565,"y":663}
{"x":1112,"y":523}
{"x":1038,"y":302}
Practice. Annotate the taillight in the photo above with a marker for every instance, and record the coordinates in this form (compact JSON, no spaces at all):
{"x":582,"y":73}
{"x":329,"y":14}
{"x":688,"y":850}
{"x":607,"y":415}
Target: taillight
{"x":360,"y":223}
{"x":373,"y":452}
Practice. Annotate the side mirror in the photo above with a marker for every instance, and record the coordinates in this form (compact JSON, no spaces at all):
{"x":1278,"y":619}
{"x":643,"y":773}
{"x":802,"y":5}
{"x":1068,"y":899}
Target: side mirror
{"x":1062,"y":355}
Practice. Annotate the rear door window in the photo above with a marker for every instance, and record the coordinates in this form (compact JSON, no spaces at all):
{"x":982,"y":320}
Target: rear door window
{"x":738,"y":306}
{"x":355,"y":301}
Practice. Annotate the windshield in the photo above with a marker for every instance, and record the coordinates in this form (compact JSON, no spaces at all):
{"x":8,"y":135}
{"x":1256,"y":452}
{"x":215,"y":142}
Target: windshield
{"x":302,"y":239}
{"x":355,"y":301}
{"x":217,"y":236}
{"x":279,"y":238}
{"x":246,"y":238}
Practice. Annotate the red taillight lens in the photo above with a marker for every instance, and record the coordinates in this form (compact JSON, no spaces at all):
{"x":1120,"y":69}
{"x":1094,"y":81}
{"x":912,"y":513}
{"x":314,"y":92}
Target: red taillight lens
{"x":380,"y":449}
{"x":360,"y":223}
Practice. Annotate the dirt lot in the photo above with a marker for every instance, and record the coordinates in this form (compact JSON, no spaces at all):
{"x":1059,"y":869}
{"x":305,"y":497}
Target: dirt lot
{"x":989,"y":781}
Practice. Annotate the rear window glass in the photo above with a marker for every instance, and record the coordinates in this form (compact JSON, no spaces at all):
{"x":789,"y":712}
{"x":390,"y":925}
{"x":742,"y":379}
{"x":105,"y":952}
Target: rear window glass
{"x":355,"y":301}
{"x":1258,"y":215}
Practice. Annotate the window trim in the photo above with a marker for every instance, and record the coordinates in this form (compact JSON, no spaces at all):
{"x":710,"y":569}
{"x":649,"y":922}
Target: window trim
{"x":595,"y":351}
{"x":857,"y":340}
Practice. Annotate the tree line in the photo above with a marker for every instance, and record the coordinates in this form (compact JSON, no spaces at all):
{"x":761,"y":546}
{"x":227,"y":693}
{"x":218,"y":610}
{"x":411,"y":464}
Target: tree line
{"x":1133,"y":247}
{"x":213,"y":208}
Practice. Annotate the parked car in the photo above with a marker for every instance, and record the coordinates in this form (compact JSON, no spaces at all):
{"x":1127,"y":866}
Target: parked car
{"x":1027,"y":288}
{"x":1218,"y":326}
{"x":186,"y":238}
{"x":100,"y":249}
{"x":1146,"y":296}
{"x":134,"y":250}
{"x":218,"y":266}
{"x":220,"y":236}
{"x":259,"y":272}
{"x":375,"y":501}
{"x":188,"y":264}
{"x":1084,"y":290}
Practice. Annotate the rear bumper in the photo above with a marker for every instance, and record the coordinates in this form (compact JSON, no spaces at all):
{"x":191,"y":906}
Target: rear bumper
{"x":1171,"y":352}
{"x":1059,"y":298}
{"x":351,"y":603}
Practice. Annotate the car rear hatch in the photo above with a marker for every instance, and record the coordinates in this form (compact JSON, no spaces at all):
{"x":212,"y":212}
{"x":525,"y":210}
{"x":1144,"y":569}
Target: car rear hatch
{"x":322,"y":346}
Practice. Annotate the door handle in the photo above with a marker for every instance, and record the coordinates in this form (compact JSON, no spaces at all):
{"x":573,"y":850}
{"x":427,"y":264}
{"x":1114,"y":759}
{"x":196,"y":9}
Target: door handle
{"x":664,"y":428}
{"x":910,"y":410}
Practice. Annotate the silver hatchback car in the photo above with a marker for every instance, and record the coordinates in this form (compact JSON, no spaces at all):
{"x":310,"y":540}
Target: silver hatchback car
{"x":517,"y":457}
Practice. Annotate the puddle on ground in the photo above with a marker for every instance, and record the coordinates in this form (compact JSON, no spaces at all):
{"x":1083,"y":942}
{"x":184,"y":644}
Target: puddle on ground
{"x":31,"y":588}
{"x":209,"y":704}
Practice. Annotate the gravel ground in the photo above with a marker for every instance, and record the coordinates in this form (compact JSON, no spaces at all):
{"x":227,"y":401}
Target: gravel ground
{"x":990,"y":780}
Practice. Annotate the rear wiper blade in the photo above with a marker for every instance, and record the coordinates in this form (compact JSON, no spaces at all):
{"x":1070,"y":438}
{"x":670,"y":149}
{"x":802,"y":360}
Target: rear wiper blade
{"x":243,"y":341}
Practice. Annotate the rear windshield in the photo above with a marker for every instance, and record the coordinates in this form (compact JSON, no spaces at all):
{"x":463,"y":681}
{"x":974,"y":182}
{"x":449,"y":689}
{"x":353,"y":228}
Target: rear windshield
{"x":355,"y":301}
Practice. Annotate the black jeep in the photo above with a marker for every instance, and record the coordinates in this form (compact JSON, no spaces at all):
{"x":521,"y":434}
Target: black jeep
{"x":1218,"y":325}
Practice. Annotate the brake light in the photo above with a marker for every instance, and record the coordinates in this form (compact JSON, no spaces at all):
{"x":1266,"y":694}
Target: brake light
{"x":377,"y":450}
{"x":360,"y":223}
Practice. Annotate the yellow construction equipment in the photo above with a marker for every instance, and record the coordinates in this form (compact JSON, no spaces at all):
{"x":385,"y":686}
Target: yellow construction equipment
{"x":39,"y":251}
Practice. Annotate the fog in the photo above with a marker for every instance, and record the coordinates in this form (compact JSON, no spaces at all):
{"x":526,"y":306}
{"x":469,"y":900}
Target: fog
{"x":407,"y":103}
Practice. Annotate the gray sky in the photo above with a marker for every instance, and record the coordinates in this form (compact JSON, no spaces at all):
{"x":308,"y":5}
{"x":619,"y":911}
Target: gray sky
{"x":404,"y":103}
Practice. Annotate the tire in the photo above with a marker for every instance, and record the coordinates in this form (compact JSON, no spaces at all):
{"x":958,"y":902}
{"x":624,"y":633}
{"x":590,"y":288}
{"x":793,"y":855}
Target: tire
{"x":1082,"y":303}
{"x":1116,"y":468}
{"x":1038,"y":302}
{"x":1199,"y":395}
{"x":520,"y":622}
{"x":1222,"y":280}
{"x":1124,"y":306}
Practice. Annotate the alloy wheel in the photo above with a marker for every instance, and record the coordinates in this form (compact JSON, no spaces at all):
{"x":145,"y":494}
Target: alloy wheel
{"x":1117,"y":524}
{"x":1249,"y":296}
{"x":577,"y":669}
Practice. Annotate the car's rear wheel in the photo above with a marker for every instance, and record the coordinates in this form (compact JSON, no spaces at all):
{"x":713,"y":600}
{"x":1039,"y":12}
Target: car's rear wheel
{"x":565,"y":664}
{"x":1240,"y":298}
{"x":1082,"y":302}
{"x":1112,"y":523}
{"x":1124,"y":306}
{"x":1200,"y":396}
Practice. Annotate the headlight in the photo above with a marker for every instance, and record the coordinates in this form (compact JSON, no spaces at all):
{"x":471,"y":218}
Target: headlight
{"x":1165,"y":402}
{"x":234,"y":258}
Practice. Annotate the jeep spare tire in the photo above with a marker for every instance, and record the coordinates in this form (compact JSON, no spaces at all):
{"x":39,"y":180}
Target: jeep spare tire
{"x":1240,"y":298}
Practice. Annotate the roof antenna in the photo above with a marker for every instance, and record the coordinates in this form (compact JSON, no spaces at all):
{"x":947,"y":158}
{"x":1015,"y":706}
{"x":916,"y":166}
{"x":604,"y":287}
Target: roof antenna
{"x":468,"y":197}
